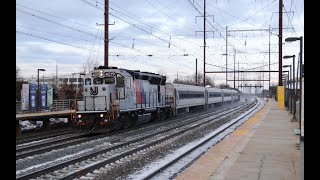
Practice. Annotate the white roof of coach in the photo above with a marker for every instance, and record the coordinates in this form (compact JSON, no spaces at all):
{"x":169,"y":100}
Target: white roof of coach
{"x":211,"y":89}
{"x":187,"y":87}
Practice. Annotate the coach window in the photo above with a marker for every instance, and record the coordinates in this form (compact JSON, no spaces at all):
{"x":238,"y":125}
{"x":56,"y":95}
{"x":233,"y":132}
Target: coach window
{"x":88,"y":81}
{"x":97,"y":81}
{"x":109,"y":80}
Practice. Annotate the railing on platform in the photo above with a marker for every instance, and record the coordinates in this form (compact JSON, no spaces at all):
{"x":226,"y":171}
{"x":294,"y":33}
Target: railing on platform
{"x":57,"y":105}
{"x":61,"y":105}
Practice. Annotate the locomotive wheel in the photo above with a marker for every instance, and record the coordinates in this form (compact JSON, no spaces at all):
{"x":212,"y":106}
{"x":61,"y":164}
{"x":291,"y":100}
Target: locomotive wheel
{"x":128,"y":120}
{"x":155,"y":116}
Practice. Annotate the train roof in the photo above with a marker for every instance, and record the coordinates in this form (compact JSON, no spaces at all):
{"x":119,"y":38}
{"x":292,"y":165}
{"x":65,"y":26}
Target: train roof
{"x":186,"y":87}
{"x":193,"y":87}
{"x":137,"y":74}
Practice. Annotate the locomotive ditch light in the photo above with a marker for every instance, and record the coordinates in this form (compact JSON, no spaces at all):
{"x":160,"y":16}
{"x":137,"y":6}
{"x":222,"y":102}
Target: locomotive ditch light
{"x":79,"y":116}
{"x":101,"y":115}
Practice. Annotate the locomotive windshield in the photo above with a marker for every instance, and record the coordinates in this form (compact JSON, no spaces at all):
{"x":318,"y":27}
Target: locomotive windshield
{"x":97,"y":81}
{"x":88,"y":81}
{"x":109,"y":80}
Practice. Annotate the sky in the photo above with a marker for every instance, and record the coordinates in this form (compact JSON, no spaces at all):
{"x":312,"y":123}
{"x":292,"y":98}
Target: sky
{"x":159,"y":36}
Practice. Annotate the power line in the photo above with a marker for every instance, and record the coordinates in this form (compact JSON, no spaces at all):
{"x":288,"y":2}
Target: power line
{"x":148,"y":32}
{"x":122,"y":19}
{"x":52,"y":33}
{"x":99,"y":45}
{"x":137,"y":19}
{"x":246,"y":19}
{"x":57,"y":17}
{"x":139,"y":40}
{"x":52,"y":40}
{"x":60,"y":24}
{"x":54,"y":22}
{"x":289,"y":18}
{"x":168,"y":15}
{"x":93,"y":45}
{"x":294,"y":4}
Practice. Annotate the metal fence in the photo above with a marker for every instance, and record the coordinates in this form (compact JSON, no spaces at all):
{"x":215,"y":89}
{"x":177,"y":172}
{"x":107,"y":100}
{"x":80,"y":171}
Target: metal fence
{"x":61,"y":105}
{"x":57,"y":105}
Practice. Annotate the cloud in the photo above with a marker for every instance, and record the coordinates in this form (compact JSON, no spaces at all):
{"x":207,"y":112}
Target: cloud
{"x":157,"y":24}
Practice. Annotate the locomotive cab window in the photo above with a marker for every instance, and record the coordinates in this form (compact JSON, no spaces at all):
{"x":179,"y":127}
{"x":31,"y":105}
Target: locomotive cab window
{"x":128,"y":83}
{"x":97,"y":81}
{"x":88,"y":81}
{"x":109,"y":80}
{"x":120,"y":80}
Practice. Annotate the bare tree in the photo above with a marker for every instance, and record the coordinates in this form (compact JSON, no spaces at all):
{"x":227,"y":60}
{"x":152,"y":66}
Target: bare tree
{"x":19,"y":83}
{"x":89,"y":65}
{"x":66,"y":92}
{"x":224,"y":86}
{"x":190,"y":80}
{"x":209,"y":80}
{"x":187,"y":80}
{"x":17,"y":73}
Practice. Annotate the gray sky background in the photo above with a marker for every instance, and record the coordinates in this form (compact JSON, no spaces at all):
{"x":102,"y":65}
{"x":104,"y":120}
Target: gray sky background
{"x":65,"y":33}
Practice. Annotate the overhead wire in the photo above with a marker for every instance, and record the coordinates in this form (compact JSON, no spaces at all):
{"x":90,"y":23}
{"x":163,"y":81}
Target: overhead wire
{"x":28,"y":34}
{"x":52,"y":33}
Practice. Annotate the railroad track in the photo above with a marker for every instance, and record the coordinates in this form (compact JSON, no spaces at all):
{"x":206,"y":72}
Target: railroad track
{"x":36,"y":149}
{"x":156,"y":172}
{"x":70,"y":140}
{"x":78,"y":166}
{"x":38,"y":136}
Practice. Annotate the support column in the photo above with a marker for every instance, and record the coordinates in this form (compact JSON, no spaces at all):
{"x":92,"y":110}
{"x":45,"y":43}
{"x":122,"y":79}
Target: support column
{"x":46,"y":124}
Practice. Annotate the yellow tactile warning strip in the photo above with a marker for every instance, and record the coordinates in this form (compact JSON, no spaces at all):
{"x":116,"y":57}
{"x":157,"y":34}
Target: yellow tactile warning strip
{"x":208,"y":163}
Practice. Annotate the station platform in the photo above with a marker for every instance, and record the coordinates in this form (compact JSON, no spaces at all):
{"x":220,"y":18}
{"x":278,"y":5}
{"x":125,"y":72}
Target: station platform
{"x":264,"y":147}
{"x":38,"y":115}
{"x":41,"y":116}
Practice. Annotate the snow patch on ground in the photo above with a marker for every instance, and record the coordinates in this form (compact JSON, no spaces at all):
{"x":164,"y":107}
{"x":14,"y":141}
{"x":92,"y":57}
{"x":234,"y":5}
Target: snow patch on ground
{"x":27,"y":125}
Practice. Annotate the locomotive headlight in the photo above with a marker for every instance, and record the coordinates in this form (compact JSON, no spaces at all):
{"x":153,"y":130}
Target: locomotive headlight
{"x":101,"y":73}
{"x":101,"y":115}
{"x":79,"y":116}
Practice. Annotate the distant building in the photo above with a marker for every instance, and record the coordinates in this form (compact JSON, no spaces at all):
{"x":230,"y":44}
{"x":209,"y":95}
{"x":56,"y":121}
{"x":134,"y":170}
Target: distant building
{"x":70,"y":79}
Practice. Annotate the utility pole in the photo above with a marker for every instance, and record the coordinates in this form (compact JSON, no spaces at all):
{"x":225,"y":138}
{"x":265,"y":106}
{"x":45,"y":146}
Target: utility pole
{"x":177,"y":76}
{"x":204,"y":43}
{"x":238,"y":74}
{"x":226,"y":55}
{"x":263,"y":81}
{"x":280,"y":42}
{"x":269,"y":57}
{"x":57,"y":80}
{"x":106,"y":33}
{"x":234,"y":67}
{"x":196,"y":71}
{"x":296,"y":92}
